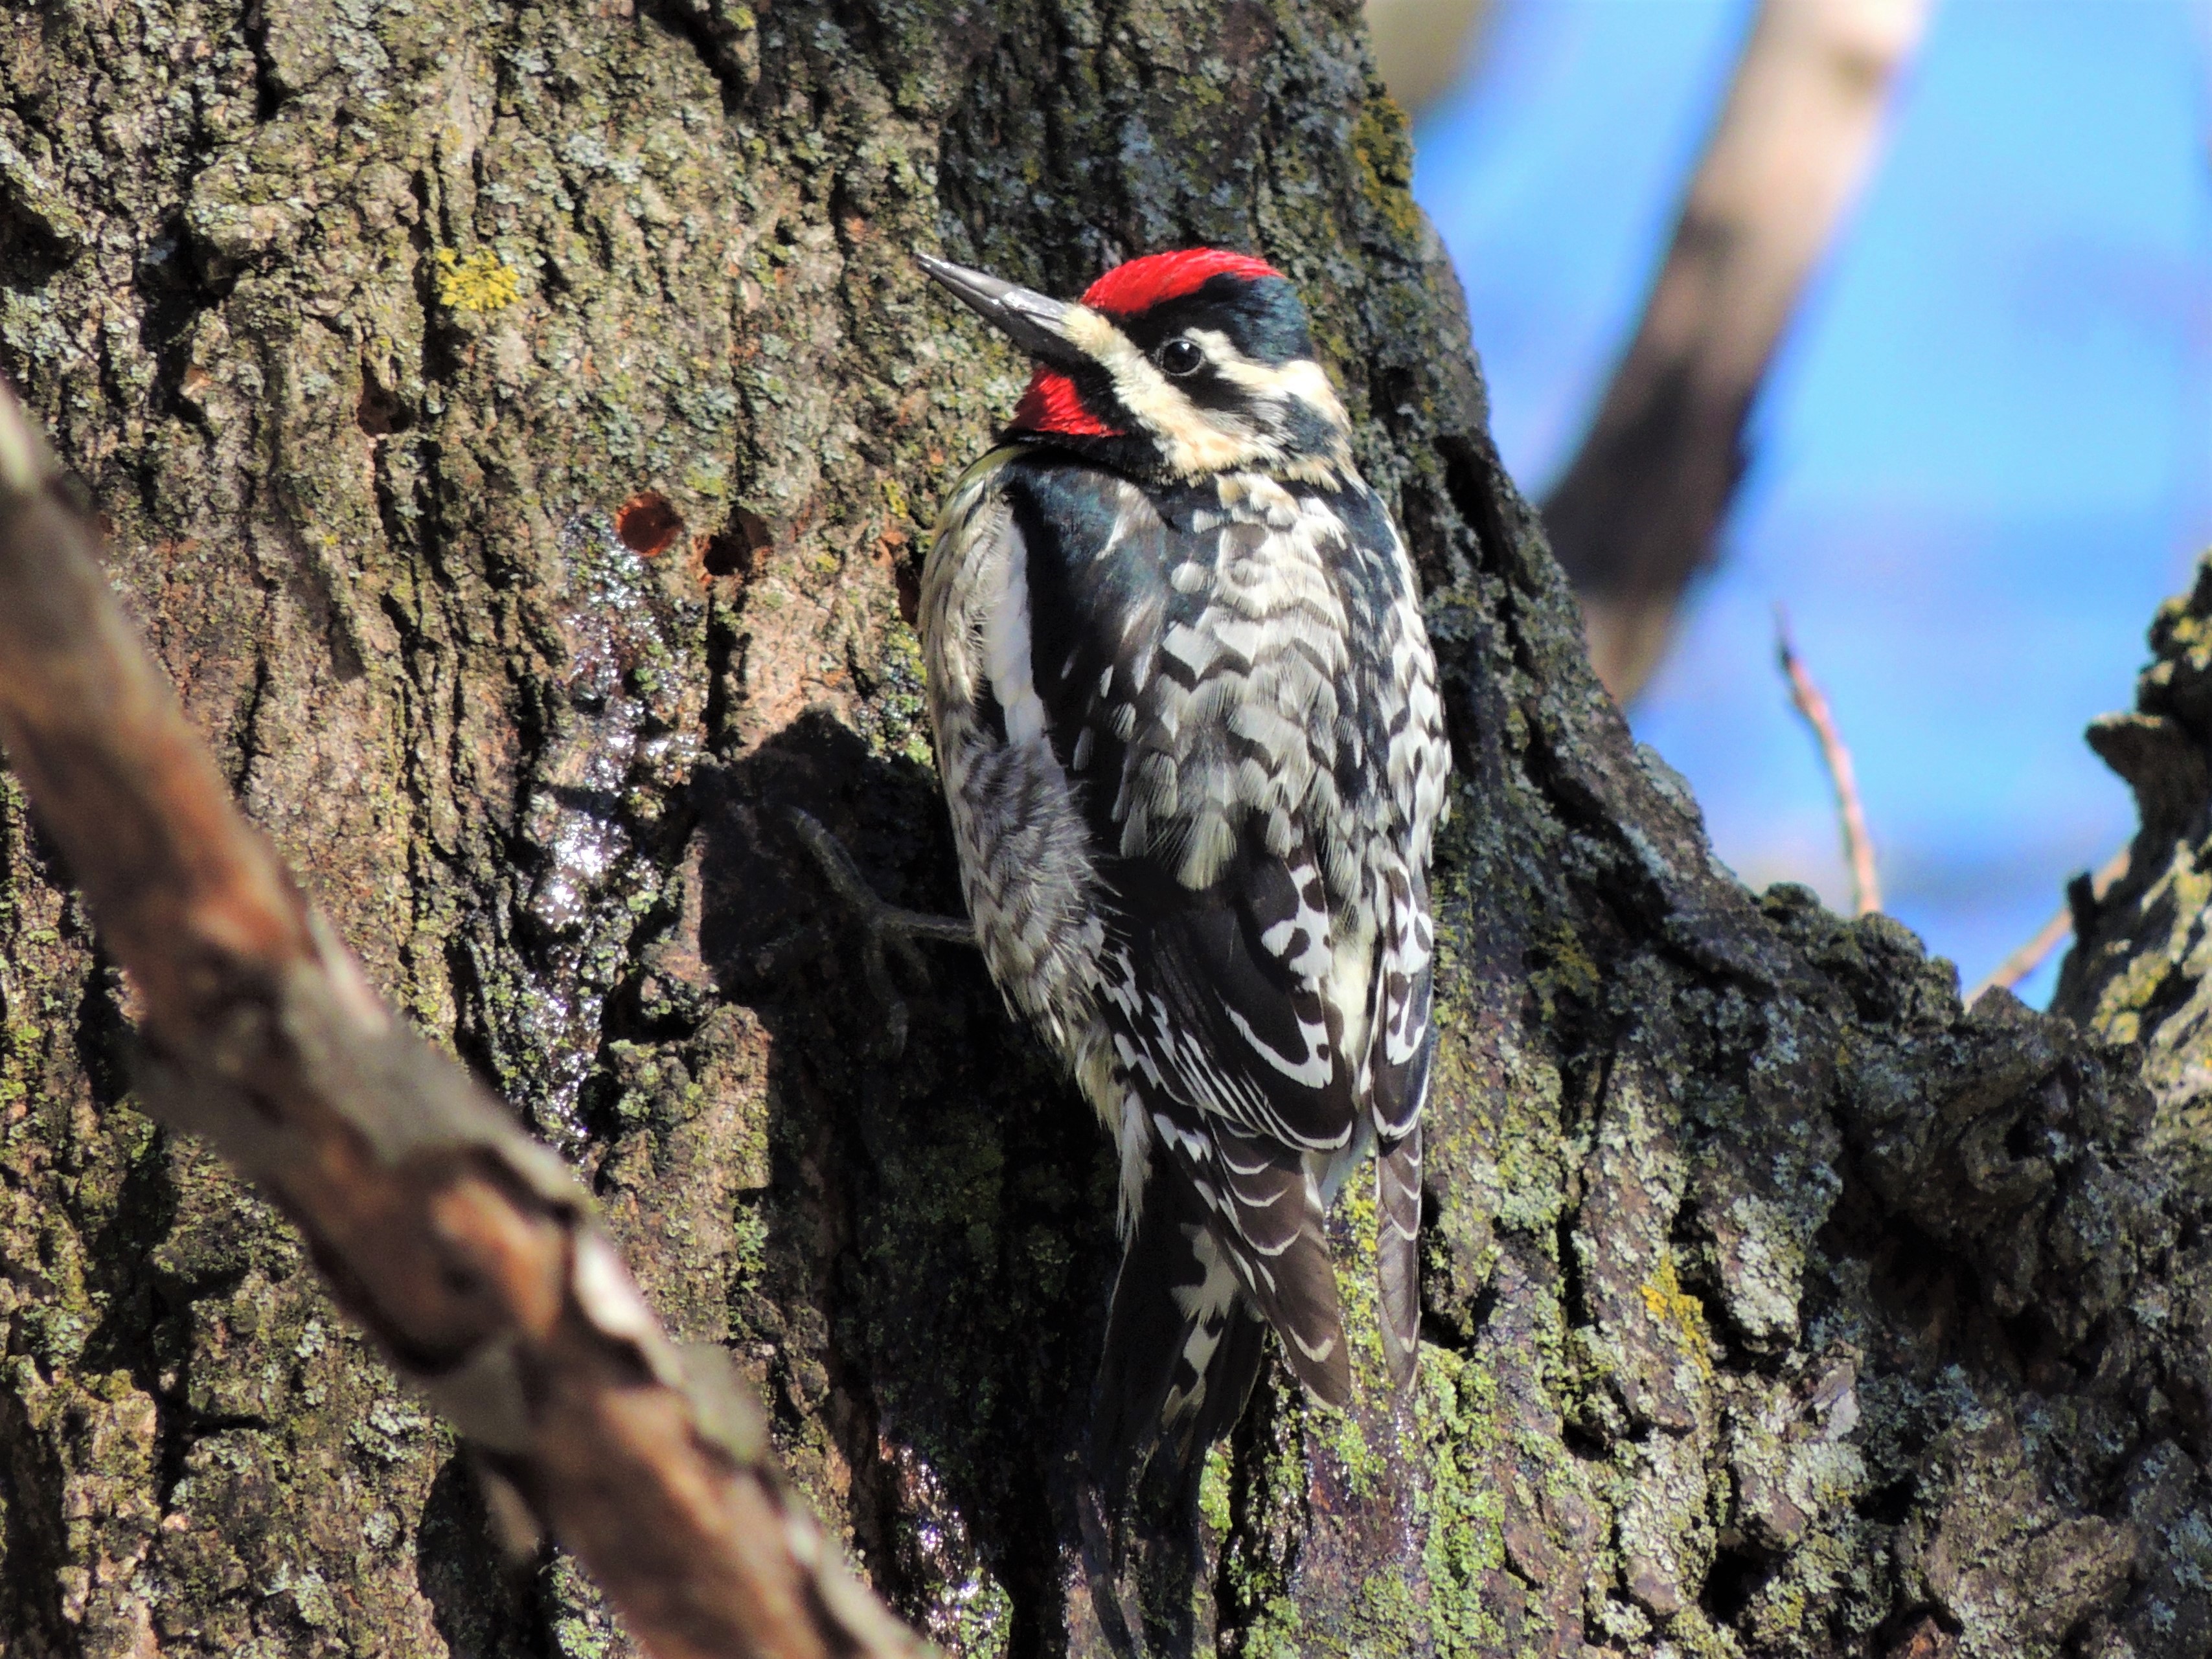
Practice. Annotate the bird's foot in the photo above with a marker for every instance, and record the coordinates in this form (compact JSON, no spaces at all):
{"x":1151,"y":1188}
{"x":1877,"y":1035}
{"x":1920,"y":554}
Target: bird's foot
{"x":882,"y":925}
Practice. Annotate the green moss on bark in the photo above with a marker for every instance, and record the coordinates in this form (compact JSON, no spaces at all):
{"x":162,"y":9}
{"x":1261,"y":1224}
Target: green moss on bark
{"x":1776,"y":1303}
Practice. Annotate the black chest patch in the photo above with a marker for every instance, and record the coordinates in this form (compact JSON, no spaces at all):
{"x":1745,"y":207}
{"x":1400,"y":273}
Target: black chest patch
{"x":1103,"y":596}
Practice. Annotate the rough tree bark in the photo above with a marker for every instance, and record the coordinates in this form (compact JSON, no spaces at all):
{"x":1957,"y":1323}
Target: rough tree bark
{"x":519,"y":424}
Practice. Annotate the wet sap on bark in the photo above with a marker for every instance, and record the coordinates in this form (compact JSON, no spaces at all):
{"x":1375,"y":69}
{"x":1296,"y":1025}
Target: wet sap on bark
{"x":1697,"y":1155}
{"x":612,"y":758}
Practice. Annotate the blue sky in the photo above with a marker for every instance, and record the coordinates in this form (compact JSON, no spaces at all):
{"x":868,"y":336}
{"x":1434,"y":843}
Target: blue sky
{"x":1983,"y":456}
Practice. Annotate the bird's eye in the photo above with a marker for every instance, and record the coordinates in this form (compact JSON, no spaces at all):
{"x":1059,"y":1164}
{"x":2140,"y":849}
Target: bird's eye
{"x":1180,"y":357}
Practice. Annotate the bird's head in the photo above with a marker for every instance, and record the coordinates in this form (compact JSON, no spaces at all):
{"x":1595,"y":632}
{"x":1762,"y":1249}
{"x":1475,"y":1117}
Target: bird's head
{"x":1177,"y":364}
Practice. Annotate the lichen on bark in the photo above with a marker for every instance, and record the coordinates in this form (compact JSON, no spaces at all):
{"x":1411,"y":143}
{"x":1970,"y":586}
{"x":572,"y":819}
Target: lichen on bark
{"x":519,"y":426}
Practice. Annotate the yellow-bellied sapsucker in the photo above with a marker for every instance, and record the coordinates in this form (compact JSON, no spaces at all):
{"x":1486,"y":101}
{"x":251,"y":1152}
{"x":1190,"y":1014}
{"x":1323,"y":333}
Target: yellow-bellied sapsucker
{"x":1187,"y":718}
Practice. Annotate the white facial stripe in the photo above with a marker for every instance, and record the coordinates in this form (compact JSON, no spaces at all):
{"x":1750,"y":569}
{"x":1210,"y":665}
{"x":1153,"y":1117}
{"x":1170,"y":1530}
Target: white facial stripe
{"x":1301,"y":377}
{"x":1194,"y":440}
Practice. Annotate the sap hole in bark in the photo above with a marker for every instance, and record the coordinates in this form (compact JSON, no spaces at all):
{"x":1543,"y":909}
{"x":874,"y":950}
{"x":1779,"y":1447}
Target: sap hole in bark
{"x":731,"y":550}
{"x":380,"y":411}
{"x":647,"y":524}
{"x":1734,"y":1578}
{"x":1888,"y":1505}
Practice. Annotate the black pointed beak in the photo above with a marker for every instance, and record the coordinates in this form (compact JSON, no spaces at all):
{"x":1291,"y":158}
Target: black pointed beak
{"x":1031,"y":320}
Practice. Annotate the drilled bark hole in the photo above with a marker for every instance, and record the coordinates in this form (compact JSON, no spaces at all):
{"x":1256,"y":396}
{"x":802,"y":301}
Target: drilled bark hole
{"x":647,"y":524}
{"x":731,"y":550}
{"x":380,"y":412}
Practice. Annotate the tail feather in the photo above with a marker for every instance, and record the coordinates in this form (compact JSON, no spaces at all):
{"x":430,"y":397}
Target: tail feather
{"x":1182,"y":1351}
{"x":1147,"y":1331}
{"x":1229,"y":1385}
{"x":1296,"y":1292}
{"x":1270,"y":1226}
{"x":1398,"y":1258}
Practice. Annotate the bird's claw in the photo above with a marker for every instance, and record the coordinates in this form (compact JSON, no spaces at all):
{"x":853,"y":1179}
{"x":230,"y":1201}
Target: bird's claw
{"x":882,"y":924}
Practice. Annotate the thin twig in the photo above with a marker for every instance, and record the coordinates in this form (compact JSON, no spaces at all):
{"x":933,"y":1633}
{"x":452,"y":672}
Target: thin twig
{"x":1807,"y":698}
{"x":2052,"y":933}
{"x":464,"y":1246}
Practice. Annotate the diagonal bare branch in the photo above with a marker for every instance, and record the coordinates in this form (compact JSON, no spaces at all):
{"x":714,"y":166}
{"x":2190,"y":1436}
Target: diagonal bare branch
{"x":2053,"y":933}
{"x":464,"y":1246}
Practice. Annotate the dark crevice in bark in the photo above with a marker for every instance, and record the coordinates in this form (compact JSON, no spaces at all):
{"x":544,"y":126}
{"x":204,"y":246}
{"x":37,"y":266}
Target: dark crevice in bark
{"x":172,"y":295}
{"x":699,"y":29}
{"x":1733,"y":1580}
{"x":32,"y":253}
{"x":34,"y":1537}
{"x":1651,"y":1084}
{"x":268,"y":96}
{"x":483,"y":1605}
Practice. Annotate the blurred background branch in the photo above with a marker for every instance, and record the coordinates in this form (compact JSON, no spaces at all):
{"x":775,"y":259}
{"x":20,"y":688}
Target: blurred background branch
{"x":1973,"y":456}
{"x":2052,"y":933}
{"x":1635,"y":516}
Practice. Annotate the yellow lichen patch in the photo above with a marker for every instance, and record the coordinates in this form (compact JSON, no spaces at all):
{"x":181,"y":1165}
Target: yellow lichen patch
{"x":1358,"y":1222}
{"x":1564,"y":967}
{"x":1666,"y":1301}
{"x":480,"y":283}
{"x":1382,"y":146}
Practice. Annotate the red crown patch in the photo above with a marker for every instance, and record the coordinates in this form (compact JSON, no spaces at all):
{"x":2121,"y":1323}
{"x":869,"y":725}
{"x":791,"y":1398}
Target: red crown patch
{"x":1140,"y":284}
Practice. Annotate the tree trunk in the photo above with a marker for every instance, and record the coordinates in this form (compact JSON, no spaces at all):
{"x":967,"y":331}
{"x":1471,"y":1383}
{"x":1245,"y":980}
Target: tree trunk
{"x":520,"y":427}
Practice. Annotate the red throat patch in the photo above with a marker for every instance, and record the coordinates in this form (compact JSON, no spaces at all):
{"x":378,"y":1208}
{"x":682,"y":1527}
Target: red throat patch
{"x":1143,"y":284}
{"x":1052,"y":404}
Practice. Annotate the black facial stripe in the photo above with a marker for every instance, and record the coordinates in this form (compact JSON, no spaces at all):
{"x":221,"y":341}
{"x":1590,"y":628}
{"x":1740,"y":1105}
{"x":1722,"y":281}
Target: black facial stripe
{"x":1209,"y":390}
{"x":1095,"y":386}
{"x":1301,"y":428}
{"x":1310,"y":431}
{"x":1265,"y":320}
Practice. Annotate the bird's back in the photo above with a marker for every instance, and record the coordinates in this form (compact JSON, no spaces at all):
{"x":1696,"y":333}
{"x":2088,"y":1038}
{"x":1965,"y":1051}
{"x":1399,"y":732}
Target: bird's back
{"x":1194,"y":754}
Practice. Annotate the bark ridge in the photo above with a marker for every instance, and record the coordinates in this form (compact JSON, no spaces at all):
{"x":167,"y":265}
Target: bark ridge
{"x":518,"y":426}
